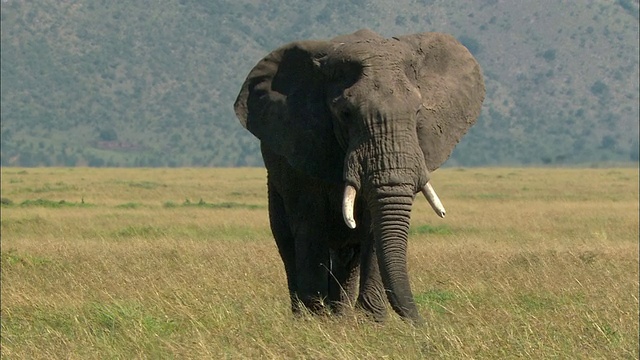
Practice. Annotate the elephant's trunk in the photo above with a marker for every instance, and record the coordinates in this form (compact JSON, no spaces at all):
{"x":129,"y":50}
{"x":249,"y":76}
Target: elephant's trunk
{"x":390,"y":211}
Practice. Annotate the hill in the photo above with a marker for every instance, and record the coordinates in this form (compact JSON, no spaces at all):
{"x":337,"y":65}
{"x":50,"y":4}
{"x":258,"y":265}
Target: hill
{"x":152,"y":83}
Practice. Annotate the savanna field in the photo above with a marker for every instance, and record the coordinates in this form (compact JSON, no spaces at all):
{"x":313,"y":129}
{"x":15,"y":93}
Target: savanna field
{"x":180,"y":263}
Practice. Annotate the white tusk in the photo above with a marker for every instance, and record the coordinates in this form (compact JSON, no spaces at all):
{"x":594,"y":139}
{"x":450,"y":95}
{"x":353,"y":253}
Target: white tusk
{"x":348,"y":201}
{"x":433,"y":200}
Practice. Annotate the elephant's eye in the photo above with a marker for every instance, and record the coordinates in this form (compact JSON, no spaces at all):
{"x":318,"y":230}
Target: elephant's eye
{"x":346,"y":115}
{"x":345,"y":73}
{"x":340,"y":73}
{"x":342,"y":109}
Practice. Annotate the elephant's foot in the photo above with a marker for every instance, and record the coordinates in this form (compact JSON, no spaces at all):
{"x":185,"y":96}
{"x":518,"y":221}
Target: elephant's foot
{"x":342,"y":307}
{"x":372,"y":307}
{"x":313,"y":305}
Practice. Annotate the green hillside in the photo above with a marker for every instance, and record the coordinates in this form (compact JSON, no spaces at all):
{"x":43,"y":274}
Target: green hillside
{"x":152,"y":83}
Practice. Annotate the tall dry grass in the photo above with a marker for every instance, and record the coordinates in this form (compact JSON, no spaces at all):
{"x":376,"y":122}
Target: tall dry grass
{"x":180,"y":263}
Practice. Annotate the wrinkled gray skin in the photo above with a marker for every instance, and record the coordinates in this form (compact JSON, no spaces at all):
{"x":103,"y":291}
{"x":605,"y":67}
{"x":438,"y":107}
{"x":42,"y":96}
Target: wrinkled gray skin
{"x":378,"y":114}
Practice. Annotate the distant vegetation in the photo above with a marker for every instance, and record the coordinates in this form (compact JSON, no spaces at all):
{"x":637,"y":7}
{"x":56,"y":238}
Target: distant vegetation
{"x":105,"y":83}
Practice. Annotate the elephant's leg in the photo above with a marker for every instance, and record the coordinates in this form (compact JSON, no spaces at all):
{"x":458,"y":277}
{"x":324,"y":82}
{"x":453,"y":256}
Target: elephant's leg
{"x":285,"y":241}
{"x":312,"y":265}
{"x":371,"y":297}
{"x":343,"y":280}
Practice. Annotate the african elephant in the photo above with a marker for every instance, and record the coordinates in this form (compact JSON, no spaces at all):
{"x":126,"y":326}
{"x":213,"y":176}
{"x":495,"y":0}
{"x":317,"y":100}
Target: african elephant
{"x":349,"y":130}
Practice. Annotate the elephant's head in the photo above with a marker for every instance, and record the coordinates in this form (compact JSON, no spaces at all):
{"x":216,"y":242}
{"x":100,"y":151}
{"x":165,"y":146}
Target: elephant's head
{"x":372,"y":113}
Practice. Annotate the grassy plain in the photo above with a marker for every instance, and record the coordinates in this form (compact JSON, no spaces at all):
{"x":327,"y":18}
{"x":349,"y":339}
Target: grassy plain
{"x":180,"y":263}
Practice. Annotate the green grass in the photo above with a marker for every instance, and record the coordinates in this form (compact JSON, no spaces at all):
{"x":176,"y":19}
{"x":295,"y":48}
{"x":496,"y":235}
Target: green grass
{"x":431,"y":229}
{"x":435,"y":299}
{"x":129,"y":205}
{"x":146,"y":185}
{"x":550,"y":272}
{"x":52,"y":203}
{"x":222,"y":205}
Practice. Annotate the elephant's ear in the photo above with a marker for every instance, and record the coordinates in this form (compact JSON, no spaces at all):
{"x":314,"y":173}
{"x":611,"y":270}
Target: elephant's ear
{"x":282,"y":103}
{"x":452,"y":89}
{"x":360,"y":35}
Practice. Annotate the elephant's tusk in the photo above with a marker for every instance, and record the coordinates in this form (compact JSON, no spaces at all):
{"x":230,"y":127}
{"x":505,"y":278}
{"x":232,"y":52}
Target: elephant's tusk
{"x":348,"y":201}
{"x":433,"y":200}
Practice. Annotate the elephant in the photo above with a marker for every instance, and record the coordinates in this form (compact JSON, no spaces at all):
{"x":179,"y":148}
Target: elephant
{"x":350,"y":130}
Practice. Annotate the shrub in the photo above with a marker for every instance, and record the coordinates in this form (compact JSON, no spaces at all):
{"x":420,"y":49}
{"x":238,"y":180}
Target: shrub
{"x":599,"y":88}
{"x":549,"y":55}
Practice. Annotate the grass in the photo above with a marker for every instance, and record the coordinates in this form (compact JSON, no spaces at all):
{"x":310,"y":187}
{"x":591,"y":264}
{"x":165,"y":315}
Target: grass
{"x":529,"y":263}
{"x":203,"y":204}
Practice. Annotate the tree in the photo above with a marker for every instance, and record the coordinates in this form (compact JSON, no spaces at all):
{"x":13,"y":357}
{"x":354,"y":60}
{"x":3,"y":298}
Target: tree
{"x":599,"y":88}
{"x":108,"y":135}
{"x":549,"y":55}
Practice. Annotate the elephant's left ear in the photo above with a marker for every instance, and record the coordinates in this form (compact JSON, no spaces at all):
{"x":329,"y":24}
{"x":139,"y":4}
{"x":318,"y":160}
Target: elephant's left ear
{"x":282,"y":103}
{"x":452,"y":89}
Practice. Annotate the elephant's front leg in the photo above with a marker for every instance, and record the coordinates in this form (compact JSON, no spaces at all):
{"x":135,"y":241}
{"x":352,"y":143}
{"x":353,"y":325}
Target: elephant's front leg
{"x":312,"y":266}
{"x":285,"y":241}
{"x":305,"y":255}
{"x":343,"y":280}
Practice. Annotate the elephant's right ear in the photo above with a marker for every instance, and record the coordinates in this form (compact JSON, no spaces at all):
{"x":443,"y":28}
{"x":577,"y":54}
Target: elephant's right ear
{"x":282,"y":103}
{"x":452,"y":87}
